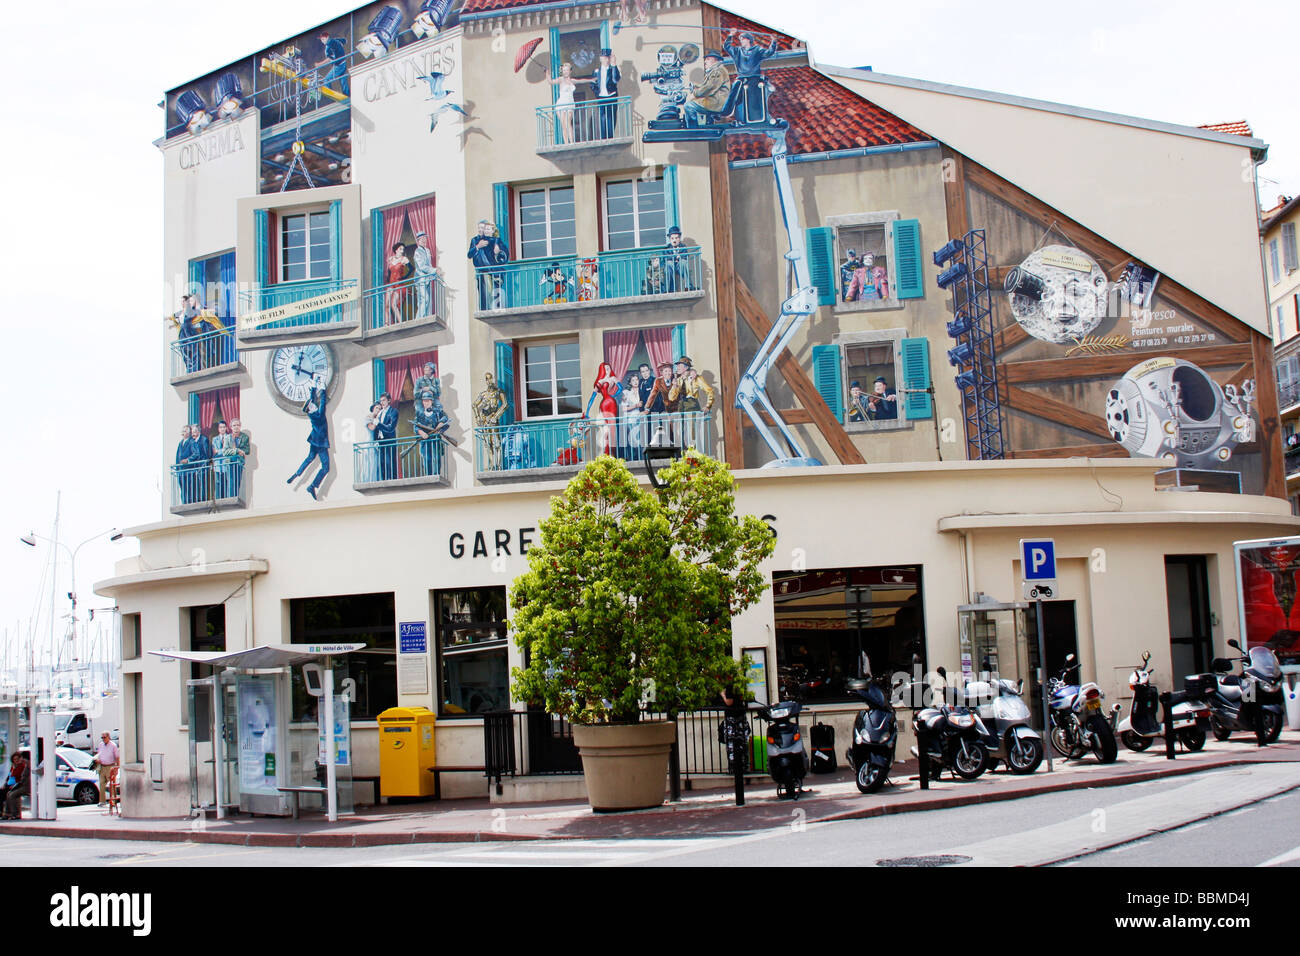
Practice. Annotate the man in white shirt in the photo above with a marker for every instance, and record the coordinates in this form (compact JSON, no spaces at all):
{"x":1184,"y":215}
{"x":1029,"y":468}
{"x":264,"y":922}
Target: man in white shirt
{"x":107,"y":757}
{"x":423,"y":276}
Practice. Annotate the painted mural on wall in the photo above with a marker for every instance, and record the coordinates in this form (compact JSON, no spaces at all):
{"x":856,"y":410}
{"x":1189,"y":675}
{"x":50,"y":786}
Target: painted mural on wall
{"x":1058,"y":294}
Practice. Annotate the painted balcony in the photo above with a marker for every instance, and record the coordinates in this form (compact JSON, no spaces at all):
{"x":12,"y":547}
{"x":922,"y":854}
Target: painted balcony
{"x":291,"y":311}
{"x":609,"y":279}
{"x":1288,"y":396}
{"x":556,"y":447}
{"x":405,"y":306}
{"x":204,"y":356}
{"x":205,"y":486}
{"x":594,"y":125}
{"x":397,"y":463}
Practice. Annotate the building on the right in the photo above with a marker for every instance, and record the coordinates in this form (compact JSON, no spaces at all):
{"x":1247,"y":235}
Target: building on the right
{"x":1282,"y":277}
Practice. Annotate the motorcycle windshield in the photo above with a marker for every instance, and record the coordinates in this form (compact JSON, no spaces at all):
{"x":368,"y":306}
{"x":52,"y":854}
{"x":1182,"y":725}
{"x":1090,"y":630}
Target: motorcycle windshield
{"x":1010,"y":708}
{"x":1263,"y":663}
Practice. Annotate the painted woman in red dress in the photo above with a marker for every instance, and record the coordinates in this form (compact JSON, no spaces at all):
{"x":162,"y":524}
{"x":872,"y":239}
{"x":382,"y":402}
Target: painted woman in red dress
{"x":395,"y":299}
{"x":609,"y":388}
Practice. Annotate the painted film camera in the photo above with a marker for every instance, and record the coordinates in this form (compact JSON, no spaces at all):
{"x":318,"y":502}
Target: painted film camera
{"x":669,"y":81}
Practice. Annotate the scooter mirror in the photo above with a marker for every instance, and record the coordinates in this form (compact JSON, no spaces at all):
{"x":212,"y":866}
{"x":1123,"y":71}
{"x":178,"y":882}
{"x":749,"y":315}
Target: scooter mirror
{"x":1069,"y":658}
{"x":1232,"y":642}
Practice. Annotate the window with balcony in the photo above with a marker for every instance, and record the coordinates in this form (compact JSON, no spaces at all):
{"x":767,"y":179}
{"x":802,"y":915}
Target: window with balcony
{"x":393,"y":453}
{"x":305,"y":246}
{"x":552,"y":379}
{"x":635,"y":216}
{"x":205,"y":322}
{"x":539,"y":428}
{"x":577,"y":118}
{"x":210,"y":470}
{"x":545,"y":222}
{"x":405,"y":288}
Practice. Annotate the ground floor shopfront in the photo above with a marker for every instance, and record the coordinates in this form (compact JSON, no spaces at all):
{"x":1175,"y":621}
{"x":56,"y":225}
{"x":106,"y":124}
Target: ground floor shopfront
{"x":874,"y":567}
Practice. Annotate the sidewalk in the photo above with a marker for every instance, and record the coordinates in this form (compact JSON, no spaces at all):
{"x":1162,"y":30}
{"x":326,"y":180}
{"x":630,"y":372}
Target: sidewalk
{"x":700,"y":813}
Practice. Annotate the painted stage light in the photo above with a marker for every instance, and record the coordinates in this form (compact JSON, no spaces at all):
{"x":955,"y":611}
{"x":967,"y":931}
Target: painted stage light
{"x":193,"y":112}
{"x":432,"y":15}
{"x":961,"y":355}
{"x":948,"y":252}
{"x":965,"y":380}
{"x":382,"y":33}
{"x":959,"y":326}
{"x":950,"y":275}
{"x":229,"y":96}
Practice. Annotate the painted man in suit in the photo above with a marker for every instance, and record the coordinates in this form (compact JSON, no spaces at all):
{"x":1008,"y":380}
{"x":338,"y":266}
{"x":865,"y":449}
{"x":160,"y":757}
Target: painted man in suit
{"x":200,"y":461}
{"x":430,"y":422}
{"x":487,"y":249}
{"x":424,"y":272}
{"x":386,"y":431}
{"x":318,"y":442}
{"x":184,"y":476}
{"x":710,"y":97}
{"x":605,"y":85}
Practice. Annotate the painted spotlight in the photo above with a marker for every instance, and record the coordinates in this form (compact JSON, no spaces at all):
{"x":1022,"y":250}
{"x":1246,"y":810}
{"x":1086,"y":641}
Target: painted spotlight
{"x":229,"y":96}
{"x":432,"y":15}
{"x":382,"y":33}
{"x":193,"y":112}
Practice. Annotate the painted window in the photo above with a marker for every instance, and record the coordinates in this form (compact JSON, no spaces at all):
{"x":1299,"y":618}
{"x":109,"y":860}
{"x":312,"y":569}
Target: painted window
{"x":552,"y":379}
{"x":213,"y":281}
{"x":635,"y":215}
{"x":472,"y":649}
{"x":545,"y":222}
{"x":865,"y":261}
{"x":872,"y":400}
{"x":305,"y":246}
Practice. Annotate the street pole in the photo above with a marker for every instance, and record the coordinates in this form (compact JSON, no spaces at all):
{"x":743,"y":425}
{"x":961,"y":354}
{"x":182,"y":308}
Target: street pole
{"x":1042,"y":670}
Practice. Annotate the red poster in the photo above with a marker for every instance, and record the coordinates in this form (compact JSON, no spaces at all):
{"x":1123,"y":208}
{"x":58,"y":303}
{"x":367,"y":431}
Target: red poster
{"x":1269,"y":597}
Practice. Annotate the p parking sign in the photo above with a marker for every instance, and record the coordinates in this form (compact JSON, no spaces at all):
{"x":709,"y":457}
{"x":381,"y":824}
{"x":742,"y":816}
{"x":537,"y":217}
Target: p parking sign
{"x":1038,"y":567}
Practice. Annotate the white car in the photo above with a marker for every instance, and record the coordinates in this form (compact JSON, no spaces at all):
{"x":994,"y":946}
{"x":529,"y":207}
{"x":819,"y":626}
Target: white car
{"x":74,"y":781}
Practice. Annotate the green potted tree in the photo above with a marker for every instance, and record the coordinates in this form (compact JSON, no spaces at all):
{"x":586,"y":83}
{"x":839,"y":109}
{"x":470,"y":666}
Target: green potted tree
{"x":629,"y":598}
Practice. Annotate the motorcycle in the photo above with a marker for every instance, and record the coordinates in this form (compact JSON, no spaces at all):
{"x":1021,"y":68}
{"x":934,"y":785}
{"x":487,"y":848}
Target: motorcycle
{"x":1077,"y":722}
{"x":1005,"y":714}
{"x":787,"y":760}
{"x":954,"y":738}
{"x":875,"y":736}
{"x":1142,"y":726}
{"x":1238,"y":698}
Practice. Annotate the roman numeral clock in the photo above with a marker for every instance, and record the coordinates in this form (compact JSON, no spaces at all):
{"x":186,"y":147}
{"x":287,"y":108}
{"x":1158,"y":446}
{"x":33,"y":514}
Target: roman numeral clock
{"x":292,"y":369}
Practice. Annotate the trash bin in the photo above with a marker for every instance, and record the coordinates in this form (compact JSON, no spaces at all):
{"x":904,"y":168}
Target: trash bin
{"x":1291,"y":698}
{"x":406,"y":752}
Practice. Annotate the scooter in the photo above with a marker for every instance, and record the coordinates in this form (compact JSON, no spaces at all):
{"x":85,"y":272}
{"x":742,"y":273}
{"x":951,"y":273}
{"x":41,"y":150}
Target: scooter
{"x":875,"y":736}
{"x":1005,"y":715}
{"x":787,"y":759}
{"x":1142,"y":726}
{"x":1077,"y":722}
{"x":1237,"y":697}
{"x":953,"y":736}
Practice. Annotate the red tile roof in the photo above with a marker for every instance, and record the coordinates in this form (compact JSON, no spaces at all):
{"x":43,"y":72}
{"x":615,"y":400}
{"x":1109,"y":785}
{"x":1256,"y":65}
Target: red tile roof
{"x":763,"y":34}
{"x":823,"y":116}
{"x":1239,"y":127}
{"x":483,"y":6}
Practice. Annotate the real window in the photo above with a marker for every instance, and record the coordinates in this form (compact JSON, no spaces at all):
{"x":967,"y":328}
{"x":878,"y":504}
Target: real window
{"x":545,"y":222}
{"x":634,"y":213}
{"x":472,"y":651}
{"x":349,"y":619}
{"x":1289,"y":258}
{"x":305,"y":247}
{"x":1273,"y":260}
{"x":552,"y":379}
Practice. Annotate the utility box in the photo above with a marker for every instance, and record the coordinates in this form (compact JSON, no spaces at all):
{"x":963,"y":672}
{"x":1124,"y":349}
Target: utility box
{"x":406,"y":752}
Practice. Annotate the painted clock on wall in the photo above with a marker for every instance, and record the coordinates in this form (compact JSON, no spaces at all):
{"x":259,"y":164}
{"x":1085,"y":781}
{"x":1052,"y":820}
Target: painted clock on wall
{"x":293,"y":371}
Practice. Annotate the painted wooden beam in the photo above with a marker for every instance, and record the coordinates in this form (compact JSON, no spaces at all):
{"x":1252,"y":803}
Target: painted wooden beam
{"x":1090,"y":366}
{"x":1102,"y":450}
{"x":1061,"y":413}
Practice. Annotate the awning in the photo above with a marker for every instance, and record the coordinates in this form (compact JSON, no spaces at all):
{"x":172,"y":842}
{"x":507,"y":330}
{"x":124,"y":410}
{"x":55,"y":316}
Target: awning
{"x":263,"y":656}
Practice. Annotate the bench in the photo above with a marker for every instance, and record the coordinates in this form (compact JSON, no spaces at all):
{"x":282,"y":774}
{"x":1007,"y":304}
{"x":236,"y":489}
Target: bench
{"x":438,"y":771}
{"x":296,"y":792}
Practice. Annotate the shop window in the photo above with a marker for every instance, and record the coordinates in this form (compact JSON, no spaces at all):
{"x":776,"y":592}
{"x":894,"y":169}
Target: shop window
{"x":841,"y":624}
{"x":552,"y":379}
{"x":367,"y":619}
{"x":472,"y":651}
{"x":545,"y":222}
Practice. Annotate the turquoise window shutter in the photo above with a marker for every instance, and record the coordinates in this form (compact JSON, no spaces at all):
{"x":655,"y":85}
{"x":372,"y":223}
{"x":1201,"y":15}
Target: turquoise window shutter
{"x":194,"y":282}
{"x":828,"y":378}
{"x":506,"y":379}
{"x":679,"y":341}
{"x":261,"y":252}
{"x":501,"y":211}
{"x":909,"y":278}
{"x":377,"y":257}
{"x":820,"y":245}
{"x":916,"y":379}
{"x":377,"y":371}
{"x":555,"y":61}
{"x":671,"y":215}
{"x":336,"y":240}
{"x":194,"y":408}
{"x":605,"y":41}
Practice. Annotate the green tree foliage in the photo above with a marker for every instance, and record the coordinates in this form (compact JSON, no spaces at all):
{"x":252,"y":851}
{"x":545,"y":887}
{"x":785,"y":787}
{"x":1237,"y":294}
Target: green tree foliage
{"x":633,"y":592}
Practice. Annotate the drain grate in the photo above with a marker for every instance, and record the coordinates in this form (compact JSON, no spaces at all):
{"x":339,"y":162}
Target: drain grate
{"x":951,"y":859}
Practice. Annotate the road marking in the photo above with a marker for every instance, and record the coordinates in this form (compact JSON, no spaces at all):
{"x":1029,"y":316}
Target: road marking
{"x":233,"y":851}
{"x":1286,"y":857}
{"x":150,"y":854}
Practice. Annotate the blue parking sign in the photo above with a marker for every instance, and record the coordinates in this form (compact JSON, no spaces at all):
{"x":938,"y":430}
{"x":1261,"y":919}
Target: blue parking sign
{"x":1038,"y":559}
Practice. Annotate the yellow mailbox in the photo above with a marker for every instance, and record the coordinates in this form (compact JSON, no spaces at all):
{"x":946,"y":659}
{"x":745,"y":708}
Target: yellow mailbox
{"x":406,"y":752}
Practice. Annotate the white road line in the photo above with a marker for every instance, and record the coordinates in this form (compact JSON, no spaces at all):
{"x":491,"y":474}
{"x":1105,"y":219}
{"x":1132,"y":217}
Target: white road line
{"x":1286,"y":857}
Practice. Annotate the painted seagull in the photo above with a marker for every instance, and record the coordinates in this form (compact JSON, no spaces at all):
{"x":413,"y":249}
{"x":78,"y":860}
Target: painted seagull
{"x":433,"y":117}
{"x":435,"y":80}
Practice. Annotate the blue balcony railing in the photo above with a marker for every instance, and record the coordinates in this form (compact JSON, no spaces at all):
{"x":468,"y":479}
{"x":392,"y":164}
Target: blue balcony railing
{"x":220,"y":482}
{"x":290,"y":294}
{"x":410,"y":300}
{"x":566,"y":443}
{"x":589,"y":124}
{"x":604,"y":279}
{"x":202,"y":353}
{"x":400,"y":461}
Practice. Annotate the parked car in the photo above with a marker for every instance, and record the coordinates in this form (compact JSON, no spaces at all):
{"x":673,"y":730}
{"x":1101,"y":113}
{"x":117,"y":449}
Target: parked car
{"x":74,"y":780}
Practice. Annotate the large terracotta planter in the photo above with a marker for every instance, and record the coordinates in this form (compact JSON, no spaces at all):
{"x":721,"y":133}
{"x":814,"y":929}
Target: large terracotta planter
{"x":625,"y":765}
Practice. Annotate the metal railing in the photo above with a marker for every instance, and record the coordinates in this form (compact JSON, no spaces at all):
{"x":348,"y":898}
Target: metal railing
{"x":1288,"y":395}
{"x":409,"y":300}
{"x":593,"y":122}
{"x":288,"y":293}
{"x":211,"y":483}
{"x":1292,"y":459}
{"x":396,"y":459}
{"x":198,"y":353}
{"x":570,"y":442}
{"x":610,"y":276}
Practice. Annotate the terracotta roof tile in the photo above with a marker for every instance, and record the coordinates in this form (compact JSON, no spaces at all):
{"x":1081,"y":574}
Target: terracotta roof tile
{"x":484,"y":6}
{"x":761,"y":33}
{"x":1239,"y":127}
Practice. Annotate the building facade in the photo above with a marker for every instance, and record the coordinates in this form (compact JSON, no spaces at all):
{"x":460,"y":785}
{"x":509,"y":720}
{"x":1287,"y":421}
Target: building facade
{"x":435,"y":256}
{"x":1282,"y":273}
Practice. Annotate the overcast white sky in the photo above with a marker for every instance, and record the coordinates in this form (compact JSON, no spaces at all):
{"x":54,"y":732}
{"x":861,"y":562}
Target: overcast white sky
{"x":81,"y":248}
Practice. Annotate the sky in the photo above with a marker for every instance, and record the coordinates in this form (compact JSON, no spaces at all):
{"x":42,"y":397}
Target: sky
{"x":81,"y":242}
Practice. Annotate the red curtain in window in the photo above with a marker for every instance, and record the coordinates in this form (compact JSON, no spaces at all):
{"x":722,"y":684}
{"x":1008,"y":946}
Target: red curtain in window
{"x":619,"y":348}
{"x":394,"y":225}
{"x":659,"y":343}
{"x":399,"y":366}
{"x":208,"y":410}
{"x":220,"y":404}
{"x":421,"y":215}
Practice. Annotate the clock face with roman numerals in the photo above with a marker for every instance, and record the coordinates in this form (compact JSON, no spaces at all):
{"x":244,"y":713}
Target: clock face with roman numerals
{"x":295,"y":369}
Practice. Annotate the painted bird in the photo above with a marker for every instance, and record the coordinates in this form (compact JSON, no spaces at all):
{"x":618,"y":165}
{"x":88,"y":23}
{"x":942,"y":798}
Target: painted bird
{"x":433,"y":117}
{"x":435,"y":81}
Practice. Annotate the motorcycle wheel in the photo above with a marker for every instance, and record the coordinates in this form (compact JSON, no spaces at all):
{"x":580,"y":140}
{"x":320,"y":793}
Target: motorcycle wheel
{"x":1061,"y":741}
{"x":1103,"y":745}
{"x":1220,"y":732}
{"x":1024,"y":755}
{"x":1193,"y":738}
{"x":970,"y":760}
{"x":1137,"y":743}
{"x":871,"y":777}
{"x":1272,"y":726}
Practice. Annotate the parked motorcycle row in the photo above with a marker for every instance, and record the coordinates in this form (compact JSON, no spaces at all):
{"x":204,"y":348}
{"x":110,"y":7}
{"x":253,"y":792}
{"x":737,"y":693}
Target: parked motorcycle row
{"x":991,"y":723}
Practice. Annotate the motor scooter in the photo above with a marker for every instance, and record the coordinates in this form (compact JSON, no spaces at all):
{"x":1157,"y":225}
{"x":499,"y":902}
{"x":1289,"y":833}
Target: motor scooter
{"x":1005,"y":716}
{"x":1077,"y":722}
{"x":875,"y":736}
{"x":953,"y":736}
{"x":1238,"y":697}
{"x":787,"y":758}
{"x":1143,"y":726}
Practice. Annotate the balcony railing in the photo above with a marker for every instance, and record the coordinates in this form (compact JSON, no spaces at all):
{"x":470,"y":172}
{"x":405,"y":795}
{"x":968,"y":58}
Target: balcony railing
{"x":1288,"y":395}
{"x":1292,"y":458}
{"x":532,"y":448}
{"x":210,"y":485}
{"x":303,"y":307}
{"x":610,"y":278}
{"x":204,"y":353}
{"x":585,"y":125}
{"x":396,"y":463}
{"x":412,"y":300}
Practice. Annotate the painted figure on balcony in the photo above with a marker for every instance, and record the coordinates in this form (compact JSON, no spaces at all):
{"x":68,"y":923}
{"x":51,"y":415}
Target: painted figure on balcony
{"x":489,"y":407}
{"x":184,"y":452}
{"x":386,"y":431}
{"x":241,"y":447}
{"x":488,"y":249}
{"x":430,"y":423}
{"x":517,"y":448}
{"x":565,"y":86}
{"x":883,"y":401}
{"x":429,"y":382}
{"x":555,"y":285}
{"x":605,"y":85}
{"x":880,"y":280}
{"x":748,"y":99}
{"x":571,"y":453}
{"x":394,"y":273}
{"x":654,"y":282}
{"x":631,"y":425}
{"x":588,"y":280}
{"x":710,"y":97}
{"x":318,"y":441}
{"x":859,"y":409}
{"x":608,"y":388}
{"x":677,"y":263}
{"x":424,"y":273}
{"x":200,"y":461}
{"x":659,"y":407}
{"x":222,"y":448}
{"x":852,"y":276}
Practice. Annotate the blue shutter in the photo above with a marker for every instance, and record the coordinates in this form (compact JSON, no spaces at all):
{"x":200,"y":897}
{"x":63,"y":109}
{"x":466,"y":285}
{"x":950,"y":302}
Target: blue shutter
{"x":506,"y":378}
{"x":377,"y":256}
{"x":501,"y":211}
{"x":828,"y":378}
{"x":909,"y":279}
{"x":377,"y":370}
{"x":679,"y":341}
{"x":261,"y":254}
{"x":194,"y":408}
{"x":820,"y":245}
{"x":555,"y":62}
{"x":195,"y":281}
{"x":671,"y":216}
{"x":605,"y":41}
{"x":336,"y":240}
{"x":916,"y":378}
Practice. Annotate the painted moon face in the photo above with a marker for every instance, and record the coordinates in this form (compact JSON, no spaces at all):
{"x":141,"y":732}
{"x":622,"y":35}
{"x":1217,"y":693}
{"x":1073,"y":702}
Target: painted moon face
{"x":1058,"y":294}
